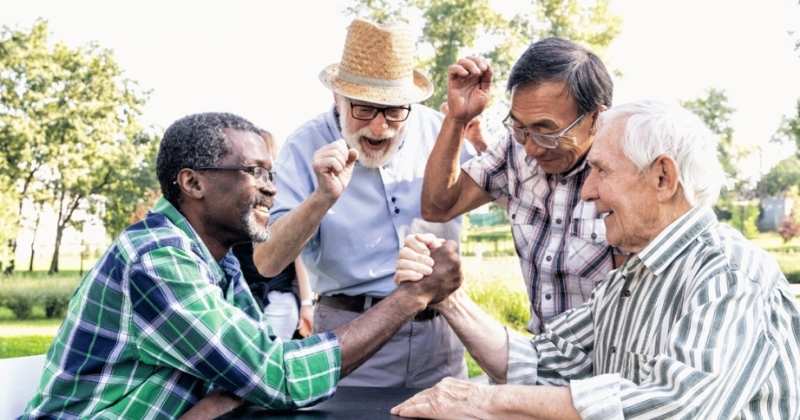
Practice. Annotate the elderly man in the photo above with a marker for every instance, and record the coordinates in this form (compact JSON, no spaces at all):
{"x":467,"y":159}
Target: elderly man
{"x":165,"y":318}
{"x":698,"y":323}
{"x":558,"y":89}
{"x":348,"y":204}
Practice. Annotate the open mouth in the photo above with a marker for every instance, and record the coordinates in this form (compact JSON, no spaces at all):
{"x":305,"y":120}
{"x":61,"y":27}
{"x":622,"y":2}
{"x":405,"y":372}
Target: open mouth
{"x":374,"y":143}
{"x":262,"y":209}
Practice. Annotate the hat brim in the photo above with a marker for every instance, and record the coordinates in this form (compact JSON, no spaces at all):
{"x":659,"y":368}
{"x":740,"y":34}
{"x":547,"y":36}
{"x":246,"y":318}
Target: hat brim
{"x":419,"y":90}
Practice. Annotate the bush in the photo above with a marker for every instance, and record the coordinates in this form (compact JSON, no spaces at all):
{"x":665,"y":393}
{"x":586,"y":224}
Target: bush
{"x":509,"y":307}
{"x":23,"y":293}
{"x":744,"y":217}
{"x":20,"y":303}
{"x":55,"y":303}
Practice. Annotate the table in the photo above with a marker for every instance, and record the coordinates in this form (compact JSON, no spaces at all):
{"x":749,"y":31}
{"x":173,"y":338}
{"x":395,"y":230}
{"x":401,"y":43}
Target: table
{"x":351,"y":403}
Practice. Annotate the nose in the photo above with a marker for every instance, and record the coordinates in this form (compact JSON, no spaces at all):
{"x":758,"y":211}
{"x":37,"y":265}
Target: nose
{"x":534,"y":150}
{"x":589,"y":189}
{"x":267,"y":188}
{"x":378,"y":125}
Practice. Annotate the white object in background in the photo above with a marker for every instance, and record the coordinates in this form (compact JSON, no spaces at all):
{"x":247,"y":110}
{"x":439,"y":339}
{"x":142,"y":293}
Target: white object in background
{"x":18,"y":383}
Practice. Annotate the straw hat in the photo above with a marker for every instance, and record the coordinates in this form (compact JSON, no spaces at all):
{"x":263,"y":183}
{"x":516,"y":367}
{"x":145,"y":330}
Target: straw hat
{"x":378,"y":66}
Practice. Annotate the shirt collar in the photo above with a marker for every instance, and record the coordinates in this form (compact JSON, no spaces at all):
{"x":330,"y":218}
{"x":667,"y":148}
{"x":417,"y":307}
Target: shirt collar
{"x":164,"y":207}
{"x":679,"y":235}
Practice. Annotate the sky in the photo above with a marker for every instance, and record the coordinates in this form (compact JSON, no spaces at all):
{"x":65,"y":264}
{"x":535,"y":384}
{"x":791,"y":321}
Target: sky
{"x":261,"y":59}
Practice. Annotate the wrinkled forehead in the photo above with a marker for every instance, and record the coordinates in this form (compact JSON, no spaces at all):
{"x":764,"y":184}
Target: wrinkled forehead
{"x":610,"y":130}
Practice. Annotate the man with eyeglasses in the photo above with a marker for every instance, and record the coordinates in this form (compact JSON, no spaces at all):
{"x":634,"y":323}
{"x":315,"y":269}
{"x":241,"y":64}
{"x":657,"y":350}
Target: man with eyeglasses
{"x":350,"y":183}
{"x":165,"y":325}
{"x":558,"y":89}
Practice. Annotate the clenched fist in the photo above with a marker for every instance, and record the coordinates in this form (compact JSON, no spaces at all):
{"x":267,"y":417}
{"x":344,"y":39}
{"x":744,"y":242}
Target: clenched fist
{"x":333,"y":165}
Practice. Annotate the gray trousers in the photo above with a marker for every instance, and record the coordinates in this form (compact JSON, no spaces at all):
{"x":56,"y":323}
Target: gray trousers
{"x":419,"y":355}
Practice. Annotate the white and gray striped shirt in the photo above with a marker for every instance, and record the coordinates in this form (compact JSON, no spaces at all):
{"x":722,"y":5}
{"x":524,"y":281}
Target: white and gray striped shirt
{"x":700,"y":324}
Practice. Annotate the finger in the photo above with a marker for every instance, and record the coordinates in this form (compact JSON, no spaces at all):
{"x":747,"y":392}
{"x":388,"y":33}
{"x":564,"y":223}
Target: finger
{"x":423,"y":269}
{"x":340,"y":145}
{"x":481,"y":62}
{"x":416,"y":245}
{"x":331,"y":164}
{"x":456,"y":70}
{"x":470,"y":65}
{"x":410,"y":255}
{"x":423,"y":409}
{"x":402,"y":276}
{"x":486,"y":78}
{"x":352,"y":157}
{"x":429,"y":239}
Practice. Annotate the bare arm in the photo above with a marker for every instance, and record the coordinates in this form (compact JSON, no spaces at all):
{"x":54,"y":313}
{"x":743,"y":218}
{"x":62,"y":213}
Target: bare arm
{"x":306,"y":326}
{"x":445,"y":192}
{"x":362,"y":337}
{"x":483,"y":336}
{"x":333,"y":166}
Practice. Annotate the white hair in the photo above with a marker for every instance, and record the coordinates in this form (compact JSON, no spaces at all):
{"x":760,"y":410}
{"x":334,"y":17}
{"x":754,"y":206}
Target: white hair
{"x":654,"y":128}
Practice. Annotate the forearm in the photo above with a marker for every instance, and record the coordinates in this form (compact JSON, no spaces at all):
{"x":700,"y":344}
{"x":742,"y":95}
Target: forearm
{"x":531,"y":402}
{"x":362,"y":337}
{"x":441,"y":188}
{"x":484,"y":337}
{"x":303,"y":286}
{"x":289,"y":234}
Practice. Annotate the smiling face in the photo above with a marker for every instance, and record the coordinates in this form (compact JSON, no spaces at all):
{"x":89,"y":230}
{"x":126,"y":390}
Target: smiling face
{"x":625,"y":196}
{"x":376,"y":140}
{"x":547,"y":107}
{"x":238,"y":204}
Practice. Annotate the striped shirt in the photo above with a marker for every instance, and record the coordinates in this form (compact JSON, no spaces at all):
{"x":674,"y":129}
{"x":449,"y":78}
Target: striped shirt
{"x":158,"y":323}
{"x":560,"y":239}
{"x":700,"y":325}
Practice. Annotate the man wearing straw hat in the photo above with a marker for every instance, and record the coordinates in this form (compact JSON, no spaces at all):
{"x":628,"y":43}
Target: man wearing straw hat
{"x":350,"y":183}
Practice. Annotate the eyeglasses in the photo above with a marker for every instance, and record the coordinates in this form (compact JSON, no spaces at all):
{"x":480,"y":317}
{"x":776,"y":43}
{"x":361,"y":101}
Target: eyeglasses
{"x":258,"y":172}
{"x":548,"y":141}
{"x":390,"y":113}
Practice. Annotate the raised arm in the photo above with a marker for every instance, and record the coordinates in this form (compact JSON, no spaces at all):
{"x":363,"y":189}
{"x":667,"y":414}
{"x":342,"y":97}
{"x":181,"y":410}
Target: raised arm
{"x":446,"y":192}
{"x":333,"y":166}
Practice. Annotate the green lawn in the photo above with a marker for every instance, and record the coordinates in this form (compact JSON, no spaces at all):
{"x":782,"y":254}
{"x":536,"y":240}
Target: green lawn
{"x":26,"y":345}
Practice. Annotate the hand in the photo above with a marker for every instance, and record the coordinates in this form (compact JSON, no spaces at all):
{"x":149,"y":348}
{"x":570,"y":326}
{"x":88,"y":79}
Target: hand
{"x":468,"y":84}
{"x":212,"y":406}
{"x":449,"y":399}
{"x":474,"y":135}
{"x":333,"y":165}
{"x":414,"y":261}
{"x":306,"y":324}
{"x":443,"y":280}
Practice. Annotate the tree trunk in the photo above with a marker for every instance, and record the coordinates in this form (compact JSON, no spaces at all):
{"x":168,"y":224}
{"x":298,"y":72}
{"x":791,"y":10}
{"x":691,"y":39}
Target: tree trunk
{"x":33,"y":239}
{"x":54,"y":261}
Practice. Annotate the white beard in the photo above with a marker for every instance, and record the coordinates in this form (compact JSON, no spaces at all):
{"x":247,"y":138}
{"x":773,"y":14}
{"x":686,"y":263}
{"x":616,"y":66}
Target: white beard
{"x":371,"y":159}
{"x":256,"y":231}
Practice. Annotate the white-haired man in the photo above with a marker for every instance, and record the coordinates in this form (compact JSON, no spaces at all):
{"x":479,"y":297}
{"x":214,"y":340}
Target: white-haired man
{"x":698,"y":323}
{"x":350,"y":183}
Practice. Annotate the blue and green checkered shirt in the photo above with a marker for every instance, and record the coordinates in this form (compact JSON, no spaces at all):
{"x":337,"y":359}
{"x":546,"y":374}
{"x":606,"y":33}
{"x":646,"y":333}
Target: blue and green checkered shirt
{"x":158,"y":323}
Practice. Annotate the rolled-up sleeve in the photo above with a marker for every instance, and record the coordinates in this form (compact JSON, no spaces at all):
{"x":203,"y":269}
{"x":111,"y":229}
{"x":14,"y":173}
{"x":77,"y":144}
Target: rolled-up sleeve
{"x":184,"y":322}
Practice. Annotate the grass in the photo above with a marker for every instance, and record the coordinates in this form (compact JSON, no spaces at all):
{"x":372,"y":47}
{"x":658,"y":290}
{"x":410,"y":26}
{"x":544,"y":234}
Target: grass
{"x":27,"y":345}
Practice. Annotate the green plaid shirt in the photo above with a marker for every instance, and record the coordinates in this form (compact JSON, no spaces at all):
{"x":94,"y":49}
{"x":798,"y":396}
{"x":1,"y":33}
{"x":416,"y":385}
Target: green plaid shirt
{"x":158,"y":323}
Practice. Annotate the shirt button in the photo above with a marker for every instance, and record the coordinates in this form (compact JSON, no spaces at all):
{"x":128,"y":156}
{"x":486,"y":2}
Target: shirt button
{"x":594,"y":235}
{"x":394,"y":199}
{"x":396,"y":210}
{"x":513,"y":216}
{"x":563,"y":182}
{"x":548,"y":258}
{"x":548,"y":296}
{"x":626,"y":293}
{"x":612,"y":350}
{"x":558,"y":221}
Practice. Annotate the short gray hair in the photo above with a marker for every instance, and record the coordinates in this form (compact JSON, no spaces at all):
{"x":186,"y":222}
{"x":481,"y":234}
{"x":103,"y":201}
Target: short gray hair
{"x":655,"y":127}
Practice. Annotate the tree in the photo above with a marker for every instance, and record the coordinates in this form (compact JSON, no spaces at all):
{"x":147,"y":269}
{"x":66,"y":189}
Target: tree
{"x":714,"y":110}
{"x":789,"y":130}
{"x":450,"y":27}
{"x":781,"y":178}
{"x":68,"y":121}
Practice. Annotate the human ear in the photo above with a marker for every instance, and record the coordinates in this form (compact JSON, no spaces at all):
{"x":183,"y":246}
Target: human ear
{"x":191,"y":183}
{"x":666,"y":177}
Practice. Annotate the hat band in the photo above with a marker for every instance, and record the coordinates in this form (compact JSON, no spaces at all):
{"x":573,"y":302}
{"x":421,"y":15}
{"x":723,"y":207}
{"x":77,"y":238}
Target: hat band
{"x":346,"y":76}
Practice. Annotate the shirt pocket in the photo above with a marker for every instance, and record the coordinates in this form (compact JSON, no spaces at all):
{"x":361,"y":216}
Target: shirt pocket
{"x":523,"y":227}
{"x":586,"y":247}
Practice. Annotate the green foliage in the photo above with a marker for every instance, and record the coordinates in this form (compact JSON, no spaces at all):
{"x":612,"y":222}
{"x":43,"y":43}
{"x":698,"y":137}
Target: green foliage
{"x":68,"y":125}
{"x":21,"y":295}
{"x":452,"y":27}
{"x":743,"y":217}
{"x":24,"y":345}
{"x":509,"y":307}
{"x":789,"y":131}
{"x":714,"y":110}
{"x":781,"y":178}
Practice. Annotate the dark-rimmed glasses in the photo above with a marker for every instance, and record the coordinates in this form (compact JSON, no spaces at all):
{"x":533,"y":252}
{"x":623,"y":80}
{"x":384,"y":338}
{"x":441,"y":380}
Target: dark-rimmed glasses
{"x":258,"y":172}
{"x":390,"y":113}
{"x":548,"y":141}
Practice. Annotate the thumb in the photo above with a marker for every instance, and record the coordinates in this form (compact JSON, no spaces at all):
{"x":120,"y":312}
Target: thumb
{"x":352,"y":156}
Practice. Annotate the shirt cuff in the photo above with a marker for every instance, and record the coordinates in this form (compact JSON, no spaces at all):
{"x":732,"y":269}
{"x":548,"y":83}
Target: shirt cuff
{"x":523,"y":360}
{"x":597,"y":397}
{"x":313,"y":368}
